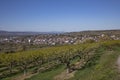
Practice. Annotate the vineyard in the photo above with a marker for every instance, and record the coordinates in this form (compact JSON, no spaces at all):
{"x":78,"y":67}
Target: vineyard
{"x":38,"y":61}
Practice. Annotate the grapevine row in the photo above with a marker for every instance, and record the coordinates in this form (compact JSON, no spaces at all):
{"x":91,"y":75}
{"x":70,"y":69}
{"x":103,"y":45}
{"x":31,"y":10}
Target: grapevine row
{"x":22,"y":61}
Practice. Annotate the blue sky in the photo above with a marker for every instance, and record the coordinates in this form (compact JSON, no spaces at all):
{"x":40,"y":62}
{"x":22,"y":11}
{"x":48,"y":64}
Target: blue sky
{"x":59,"y":15}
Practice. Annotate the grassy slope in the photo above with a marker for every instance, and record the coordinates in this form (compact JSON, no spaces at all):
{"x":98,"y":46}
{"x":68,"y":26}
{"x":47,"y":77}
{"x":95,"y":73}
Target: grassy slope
{"x":105,"y":69}
{"x":11,"y":77}
{"x":48,"y":75}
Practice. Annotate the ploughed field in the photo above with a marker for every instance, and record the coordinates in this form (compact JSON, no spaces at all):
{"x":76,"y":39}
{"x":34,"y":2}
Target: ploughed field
{"x":88,"y":61}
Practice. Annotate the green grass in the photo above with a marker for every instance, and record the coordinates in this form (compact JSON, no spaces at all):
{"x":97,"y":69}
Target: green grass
{"x":48,"y":75}
{"x":105,"y":69}
{"x":12,"y":76}
{"x":102,"y":67}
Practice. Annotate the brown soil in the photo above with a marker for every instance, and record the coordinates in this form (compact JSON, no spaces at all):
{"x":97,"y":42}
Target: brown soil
{"x":23,"y":77}
{"x":118,"y":63}
{"x":64,"y":75}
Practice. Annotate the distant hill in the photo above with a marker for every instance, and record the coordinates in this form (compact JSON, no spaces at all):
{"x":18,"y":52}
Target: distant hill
{"x":90,"y":32}
{"x":9,"y":33}
{"x":95,"y":32}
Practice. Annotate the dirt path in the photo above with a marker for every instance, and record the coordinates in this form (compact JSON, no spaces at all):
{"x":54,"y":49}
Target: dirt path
{"x":23,"y":77}
{"x":64,"y":75}
{"x":118,"y":63}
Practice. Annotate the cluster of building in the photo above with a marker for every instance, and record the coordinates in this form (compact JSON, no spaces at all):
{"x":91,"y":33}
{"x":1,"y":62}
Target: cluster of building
{"x":56,"y":39}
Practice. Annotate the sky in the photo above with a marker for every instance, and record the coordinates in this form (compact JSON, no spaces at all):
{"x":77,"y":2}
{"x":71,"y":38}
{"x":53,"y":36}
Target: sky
{"x":59,"y":15}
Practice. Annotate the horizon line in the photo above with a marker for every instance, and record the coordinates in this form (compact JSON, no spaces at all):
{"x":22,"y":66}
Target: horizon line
{"x":63,"y":31}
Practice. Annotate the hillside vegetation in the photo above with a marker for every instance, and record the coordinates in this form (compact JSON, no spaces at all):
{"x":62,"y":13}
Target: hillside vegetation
{"x":88,"y":61}
{"x":106,"y":67}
